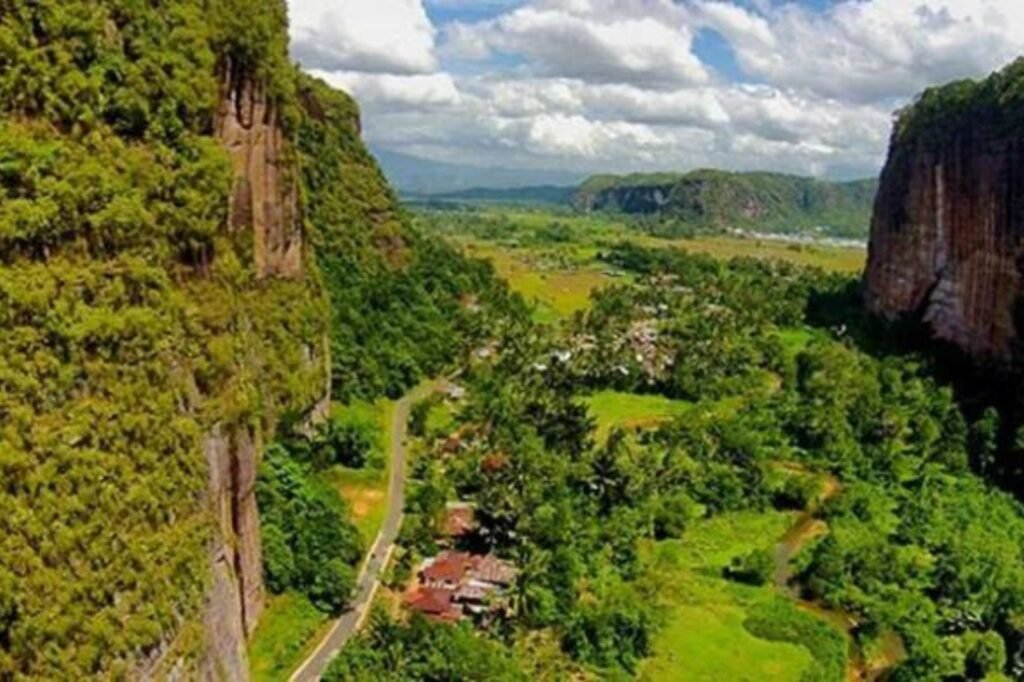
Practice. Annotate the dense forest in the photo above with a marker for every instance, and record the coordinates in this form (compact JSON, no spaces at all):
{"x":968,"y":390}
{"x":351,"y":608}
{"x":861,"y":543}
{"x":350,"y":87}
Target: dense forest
{"x":402,"y":305}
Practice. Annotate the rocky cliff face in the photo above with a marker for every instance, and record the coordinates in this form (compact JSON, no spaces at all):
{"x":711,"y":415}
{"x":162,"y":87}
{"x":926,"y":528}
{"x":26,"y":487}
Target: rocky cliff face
{"x":641,"y":199}
{"x":264,"y":204}
{"x":946,"y":238}
{"x":264,"y":198}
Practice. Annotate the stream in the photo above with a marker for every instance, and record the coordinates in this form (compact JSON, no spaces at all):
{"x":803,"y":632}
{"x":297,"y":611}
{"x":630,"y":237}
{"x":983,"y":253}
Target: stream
{"x":807,"y":527}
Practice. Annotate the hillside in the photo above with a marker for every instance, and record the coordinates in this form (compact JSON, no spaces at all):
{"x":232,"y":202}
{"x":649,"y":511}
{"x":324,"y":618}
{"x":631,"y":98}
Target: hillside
{"x":720,"y":200}
{"x":189,"y":229}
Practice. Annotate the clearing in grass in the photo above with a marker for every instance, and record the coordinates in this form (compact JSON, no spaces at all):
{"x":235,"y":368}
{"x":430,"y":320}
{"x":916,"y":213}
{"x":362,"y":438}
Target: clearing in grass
{"x":287,"y":630}
{"x":613,"y":409}
{"x":717,"y":629}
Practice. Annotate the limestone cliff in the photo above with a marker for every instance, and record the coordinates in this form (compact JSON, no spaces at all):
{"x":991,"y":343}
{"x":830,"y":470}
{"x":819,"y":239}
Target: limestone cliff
{"x":946,"y":238}
{"x":264,"y":204}
{"x":264,"y":199}
{"x":719,"y":200}
{"x":159,"y":314}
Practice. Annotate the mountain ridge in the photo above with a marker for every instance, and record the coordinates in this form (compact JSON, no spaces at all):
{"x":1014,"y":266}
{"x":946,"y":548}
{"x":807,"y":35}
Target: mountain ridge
{"x":717,"y":200}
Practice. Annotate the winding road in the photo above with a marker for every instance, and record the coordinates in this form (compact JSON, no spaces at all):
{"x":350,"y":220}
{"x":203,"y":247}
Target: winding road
{"x":376,"y":560}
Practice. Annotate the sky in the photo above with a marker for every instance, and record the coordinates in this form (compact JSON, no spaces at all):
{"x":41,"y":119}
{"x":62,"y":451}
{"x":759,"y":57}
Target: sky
{"x":800,"y":86}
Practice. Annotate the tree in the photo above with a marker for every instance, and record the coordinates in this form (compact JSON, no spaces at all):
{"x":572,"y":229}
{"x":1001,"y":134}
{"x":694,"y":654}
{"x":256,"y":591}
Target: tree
{"x":985,"y":441}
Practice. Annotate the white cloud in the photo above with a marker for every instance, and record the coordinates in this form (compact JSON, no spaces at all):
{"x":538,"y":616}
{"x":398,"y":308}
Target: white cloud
{"x":631,"y":41}
{"x":377,"y":36}
{"x":392,"y":90}
{"x":592,"y":85}
{"x":870,"y":50}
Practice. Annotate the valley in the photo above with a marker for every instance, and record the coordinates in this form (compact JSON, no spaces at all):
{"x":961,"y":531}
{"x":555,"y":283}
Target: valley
{"x":722,"y":467}
{"x":268,"y":414}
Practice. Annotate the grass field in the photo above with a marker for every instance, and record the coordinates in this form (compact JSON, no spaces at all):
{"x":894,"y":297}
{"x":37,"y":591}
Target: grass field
{"x":288,"y":629}
{"x":612,"y":409}
{"x":364,"y":490}
{"x":834,"y":258}
{"x":558,"y":293}
{"x":705,"y":638}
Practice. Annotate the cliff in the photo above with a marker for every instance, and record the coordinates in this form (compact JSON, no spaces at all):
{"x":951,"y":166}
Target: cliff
{"x":160,"y":313}
{"x":264,"y":197}
{"x":946,"y":238}
{"x":719,"y":200}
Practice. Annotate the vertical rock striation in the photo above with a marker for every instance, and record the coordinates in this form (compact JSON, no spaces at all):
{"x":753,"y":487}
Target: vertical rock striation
{"x":946,"y":239}
{"x":264,"y":203}
{"x":236,"y":597}
{"x":265,"y":194}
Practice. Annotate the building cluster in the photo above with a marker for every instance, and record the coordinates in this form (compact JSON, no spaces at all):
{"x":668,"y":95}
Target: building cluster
{"x":453,"y":586}
{"x":642,"y":339}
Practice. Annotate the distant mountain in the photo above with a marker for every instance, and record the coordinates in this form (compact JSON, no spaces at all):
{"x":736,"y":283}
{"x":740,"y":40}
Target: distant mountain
{"x":541,"y":194}
{"x":416,"y":176}
{"x":713,"y":199}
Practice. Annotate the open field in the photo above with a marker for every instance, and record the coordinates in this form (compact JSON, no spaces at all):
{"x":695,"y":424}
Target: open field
{"x":558,"y":293}
{"x":613,"y":409}
{"x":364,"y":489}
{"x":286,"y":632}
{"x":707,"y":635}
{"x":552,"y":257}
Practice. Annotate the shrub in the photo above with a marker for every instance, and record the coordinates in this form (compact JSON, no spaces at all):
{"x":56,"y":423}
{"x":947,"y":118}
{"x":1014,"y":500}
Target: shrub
{"x":755,"y":568}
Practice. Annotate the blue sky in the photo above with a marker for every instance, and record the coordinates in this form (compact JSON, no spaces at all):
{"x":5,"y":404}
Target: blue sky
{"x":803,"y":86}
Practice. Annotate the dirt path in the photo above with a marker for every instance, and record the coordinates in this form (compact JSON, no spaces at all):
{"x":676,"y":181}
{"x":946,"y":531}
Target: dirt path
{"x":807,"y":527}
{"x":375,"y":561}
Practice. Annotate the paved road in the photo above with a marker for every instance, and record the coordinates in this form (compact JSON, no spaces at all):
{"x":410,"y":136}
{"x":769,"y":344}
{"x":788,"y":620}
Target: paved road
{"x":373,"y":565}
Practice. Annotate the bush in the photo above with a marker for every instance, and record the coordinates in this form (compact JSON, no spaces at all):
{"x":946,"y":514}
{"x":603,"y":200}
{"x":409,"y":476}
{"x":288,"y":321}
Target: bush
{"x":676,"y":511}
{"x":350,"y":443}
{"x":782,"y":621}
{"x":332,"y":585}
{"x":755,"y":568}
{"x":797,"y":492}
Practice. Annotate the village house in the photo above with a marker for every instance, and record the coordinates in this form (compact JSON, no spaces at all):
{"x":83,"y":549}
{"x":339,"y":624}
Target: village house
{"x":455,"y":585}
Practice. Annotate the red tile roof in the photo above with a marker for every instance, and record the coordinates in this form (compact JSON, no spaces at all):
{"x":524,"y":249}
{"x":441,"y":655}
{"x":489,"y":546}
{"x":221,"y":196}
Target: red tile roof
{"x":431,"y":601}
{"x":448,"y":567}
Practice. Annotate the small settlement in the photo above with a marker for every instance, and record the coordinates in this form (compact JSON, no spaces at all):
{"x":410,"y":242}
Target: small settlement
{"x":456,"y":585}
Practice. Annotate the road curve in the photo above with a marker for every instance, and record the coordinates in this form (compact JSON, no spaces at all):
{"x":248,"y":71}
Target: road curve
{"x":373,"y":564}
